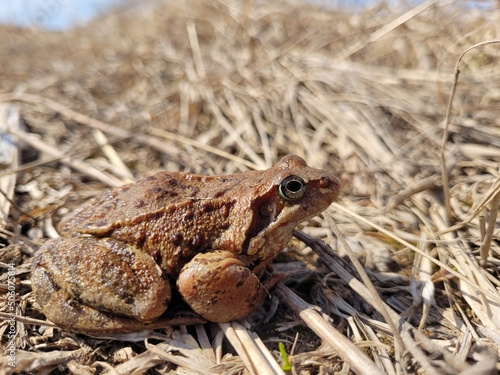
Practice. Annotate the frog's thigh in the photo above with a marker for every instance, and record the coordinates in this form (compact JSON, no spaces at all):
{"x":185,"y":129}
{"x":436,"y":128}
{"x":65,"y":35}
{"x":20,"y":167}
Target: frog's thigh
{"x":70,"y":314}
{"x":103,"y":274}
{"x":219,"y":287}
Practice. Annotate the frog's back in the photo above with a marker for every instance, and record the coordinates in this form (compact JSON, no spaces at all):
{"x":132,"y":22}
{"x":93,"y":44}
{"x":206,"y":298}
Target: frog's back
{"x":170,"y":215}
{"x":161,"y":192}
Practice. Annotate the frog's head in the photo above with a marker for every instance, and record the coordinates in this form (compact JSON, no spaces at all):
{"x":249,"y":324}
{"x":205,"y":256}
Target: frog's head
{"x":291,"y":192}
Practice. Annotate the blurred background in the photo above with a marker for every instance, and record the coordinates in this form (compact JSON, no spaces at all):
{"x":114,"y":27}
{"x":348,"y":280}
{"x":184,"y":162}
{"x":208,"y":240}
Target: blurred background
{"x":63,"y":14}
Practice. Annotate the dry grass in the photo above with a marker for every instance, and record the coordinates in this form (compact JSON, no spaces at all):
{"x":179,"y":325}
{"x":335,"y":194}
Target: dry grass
{"x":223,"y":86}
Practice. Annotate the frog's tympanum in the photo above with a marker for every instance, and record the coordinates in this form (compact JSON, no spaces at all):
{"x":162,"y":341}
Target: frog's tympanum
{"x":209,"y":237}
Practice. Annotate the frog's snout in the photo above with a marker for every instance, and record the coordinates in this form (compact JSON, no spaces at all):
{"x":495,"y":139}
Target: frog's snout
{"x":329,"y":182}
{"x":329,"y":185}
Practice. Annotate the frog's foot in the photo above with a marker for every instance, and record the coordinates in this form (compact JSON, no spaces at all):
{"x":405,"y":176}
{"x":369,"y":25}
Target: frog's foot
{"x":219,"y":286}
{"x":271,"y":279}
{"x":94,"y":285}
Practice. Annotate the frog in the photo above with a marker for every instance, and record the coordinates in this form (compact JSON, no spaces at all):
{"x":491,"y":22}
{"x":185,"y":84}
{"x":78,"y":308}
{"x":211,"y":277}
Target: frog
{"x":122,"y":256}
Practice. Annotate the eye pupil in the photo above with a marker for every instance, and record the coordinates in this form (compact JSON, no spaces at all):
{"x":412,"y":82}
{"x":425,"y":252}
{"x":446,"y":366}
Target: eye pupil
{"x":292,"y":188}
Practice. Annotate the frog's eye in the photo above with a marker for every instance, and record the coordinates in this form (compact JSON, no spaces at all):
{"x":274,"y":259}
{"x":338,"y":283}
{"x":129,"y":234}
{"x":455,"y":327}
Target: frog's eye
{"x":292,"y":188}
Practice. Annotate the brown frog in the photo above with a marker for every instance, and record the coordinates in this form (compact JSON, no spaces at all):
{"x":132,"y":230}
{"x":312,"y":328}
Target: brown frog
{"x":210,"y":237}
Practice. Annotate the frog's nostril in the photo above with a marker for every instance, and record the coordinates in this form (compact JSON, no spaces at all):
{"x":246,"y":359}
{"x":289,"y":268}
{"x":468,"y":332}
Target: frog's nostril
{"x":325,"y":182}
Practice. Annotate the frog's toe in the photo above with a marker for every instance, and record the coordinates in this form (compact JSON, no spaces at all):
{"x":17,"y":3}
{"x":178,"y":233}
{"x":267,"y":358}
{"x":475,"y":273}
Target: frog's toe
{"x":220,"y":287}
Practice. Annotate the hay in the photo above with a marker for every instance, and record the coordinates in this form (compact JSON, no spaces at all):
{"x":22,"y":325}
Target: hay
{"x":227,"y":86}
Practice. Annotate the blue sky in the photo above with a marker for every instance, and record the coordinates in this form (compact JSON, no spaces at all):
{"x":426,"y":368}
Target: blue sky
{"x":61,"y":14}
{"x":52,"y":14}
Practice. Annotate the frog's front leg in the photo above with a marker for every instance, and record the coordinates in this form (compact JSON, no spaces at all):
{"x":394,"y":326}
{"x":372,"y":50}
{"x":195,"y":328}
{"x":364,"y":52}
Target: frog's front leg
{"x":95,"y":285}
{"x":220,"y":287}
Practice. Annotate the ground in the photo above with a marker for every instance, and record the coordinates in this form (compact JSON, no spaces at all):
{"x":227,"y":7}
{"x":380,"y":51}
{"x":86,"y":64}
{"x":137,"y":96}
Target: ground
{"x":223,"y":87}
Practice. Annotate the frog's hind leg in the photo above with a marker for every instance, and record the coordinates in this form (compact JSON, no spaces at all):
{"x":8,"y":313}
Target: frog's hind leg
{"x":220,"y":287}
{"x":70,"y":314}
{"x":98,"y":285}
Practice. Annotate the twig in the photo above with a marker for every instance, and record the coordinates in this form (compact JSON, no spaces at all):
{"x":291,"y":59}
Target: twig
{"x":487,"y":198}
{"x":344,"y":347}
{"x":178,"y":360}
{"x":251,"y":352}
{"x":323,"y":251}
{"x":444,"y":171}
{"x":78,"y":165}
{"x":96,"y":124}
{"x":381,"y":307}
{"x":9,"y":155}
{"x":492,"y":219}
{"x":112,"y":155}
{"x":422,"y":185}
{"x":181,"y":139}
{"x":210,"y":97}
{"x":416,"y":250}
{"x":384,"y":30}
{"x":27,"y":320}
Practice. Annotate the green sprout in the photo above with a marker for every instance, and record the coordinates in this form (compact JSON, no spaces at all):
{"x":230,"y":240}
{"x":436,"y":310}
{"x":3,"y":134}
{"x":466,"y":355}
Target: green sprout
{"x":286,"y":366}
